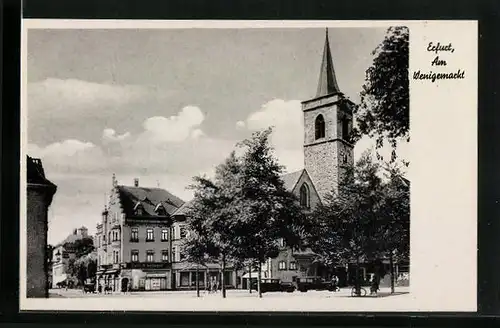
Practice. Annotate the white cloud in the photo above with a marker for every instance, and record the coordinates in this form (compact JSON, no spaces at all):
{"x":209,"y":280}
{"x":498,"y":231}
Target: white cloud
{"x":69,"y":156}
{"x":240,"y":124}
{"x":174,"y":128}
{"x":286,"y":117}
{"x":70,"y":98}
{"x":110,"y":135}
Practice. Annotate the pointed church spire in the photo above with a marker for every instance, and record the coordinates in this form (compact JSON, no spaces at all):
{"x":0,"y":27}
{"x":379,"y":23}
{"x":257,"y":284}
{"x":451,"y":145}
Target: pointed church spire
{"x":327,"y":81}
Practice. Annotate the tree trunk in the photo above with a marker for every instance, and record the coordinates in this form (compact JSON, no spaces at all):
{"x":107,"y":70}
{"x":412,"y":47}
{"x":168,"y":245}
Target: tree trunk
{"x":250,"y":278}
{"x":391,"y":263}
{"x":197,"y":281}
{"x":357,"y":283}
{"x":223,"y":287}
{"x":259,"y":277}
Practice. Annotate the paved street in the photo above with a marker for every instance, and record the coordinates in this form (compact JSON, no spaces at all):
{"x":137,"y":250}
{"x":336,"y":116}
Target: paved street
{"x":343,"y":293}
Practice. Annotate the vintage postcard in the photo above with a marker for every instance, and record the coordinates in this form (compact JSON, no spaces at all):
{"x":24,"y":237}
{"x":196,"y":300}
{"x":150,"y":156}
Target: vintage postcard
{"x":249,"y":165}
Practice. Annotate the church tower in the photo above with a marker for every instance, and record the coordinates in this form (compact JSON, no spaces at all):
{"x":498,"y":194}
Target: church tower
{"x":327,"y":128}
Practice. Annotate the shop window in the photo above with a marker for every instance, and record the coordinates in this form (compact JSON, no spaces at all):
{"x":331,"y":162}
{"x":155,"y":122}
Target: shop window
{"x":164,"y":235}
{"x":150,"y":234}
{"x":150,"y":256}
{"x":184,"y":278}
{"x":134,"y":256}
{"x":282,"y":265}
{"x":293,"y":265}
{"x":201,"y":278}
{"x":134,"y":236}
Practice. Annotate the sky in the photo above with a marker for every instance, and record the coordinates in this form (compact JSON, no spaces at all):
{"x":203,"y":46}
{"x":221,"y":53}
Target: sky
{"x":166,"y":105}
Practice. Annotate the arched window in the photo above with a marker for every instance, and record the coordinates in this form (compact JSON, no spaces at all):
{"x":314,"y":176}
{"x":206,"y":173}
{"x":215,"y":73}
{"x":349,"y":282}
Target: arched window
{"x":345,"y":128}
{"x":304,"y":196}
{"x":320,"y":127}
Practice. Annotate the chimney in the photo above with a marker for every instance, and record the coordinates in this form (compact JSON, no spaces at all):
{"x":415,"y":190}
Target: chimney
{"x":136,"y":182}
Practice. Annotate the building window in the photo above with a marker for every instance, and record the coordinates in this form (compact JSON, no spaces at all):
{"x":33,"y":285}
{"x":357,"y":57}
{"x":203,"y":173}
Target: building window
{"x":134,"y":236}
{"x":150,"y":234}
{"x":150,"y":256}
{"x":345,"y":128}
{"x":116,"y":235}
{"x":134,"y":255}
{"x":116,"y":257}
{"x":164,"y":256}
{"x":109,"y":237}
{"x":164,"y":235}
{"x":304,"y":196}
{"x":281,"y":242}
{"x":319,"y":127}
{"x":174,"y":254}
{"x":282,"y":265}
{"x":182,"y":232}
{"x":293,"y":265}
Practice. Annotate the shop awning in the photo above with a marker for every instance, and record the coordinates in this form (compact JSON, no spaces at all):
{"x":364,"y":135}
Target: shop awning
{"x":254,"y":275}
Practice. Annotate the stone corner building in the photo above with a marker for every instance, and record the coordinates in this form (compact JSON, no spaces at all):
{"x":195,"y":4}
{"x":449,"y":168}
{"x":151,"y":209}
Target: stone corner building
{"x":40,"y":192}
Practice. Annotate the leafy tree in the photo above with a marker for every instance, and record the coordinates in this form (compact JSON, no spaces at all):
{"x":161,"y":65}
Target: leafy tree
{"x":267,"y":211}
{"x":85,"y":267}
{"x":384,"y":109}
{"x":196,"y":246}
{"x":344,"y":229}
{"x":394,"y":228}
{"x":213,"y":208}
{"x":80,"y":247}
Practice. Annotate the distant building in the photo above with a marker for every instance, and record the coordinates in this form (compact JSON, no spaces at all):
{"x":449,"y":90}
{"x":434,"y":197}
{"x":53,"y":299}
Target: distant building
{"x":62,"y":254}
{"x":40,"y":192}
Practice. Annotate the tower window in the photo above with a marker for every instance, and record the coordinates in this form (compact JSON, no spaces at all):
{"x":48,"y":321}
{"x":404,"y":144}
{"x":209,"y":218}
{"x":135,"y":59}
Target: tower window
{"x":319,"y":127}
{"x":345,"y":128}
{"x":304,"y":196}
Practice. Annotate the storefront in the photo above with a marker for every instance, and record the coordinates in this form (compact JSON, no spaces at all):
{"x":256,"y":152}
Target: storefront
{"x":146,"y":276}
{"x":108,"y":280}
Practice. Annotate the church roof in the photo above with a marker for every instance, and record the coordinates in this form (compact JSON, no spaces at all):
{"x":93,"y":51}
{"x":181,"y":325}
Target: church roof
{"x":148,"y":198}
{"x":327,"y":83}
{"x":291,"y":179}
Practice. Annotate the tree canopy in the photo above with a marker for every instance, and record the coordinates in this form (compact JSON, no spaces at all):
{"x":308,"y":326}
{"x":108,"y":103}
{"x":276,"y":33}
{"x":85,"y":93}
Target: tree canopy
{"x":384,"y":109}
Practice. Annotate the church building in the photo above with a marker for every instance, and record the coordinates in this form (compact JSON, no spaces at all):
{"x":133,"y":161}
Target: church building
{"x":327,"y":152}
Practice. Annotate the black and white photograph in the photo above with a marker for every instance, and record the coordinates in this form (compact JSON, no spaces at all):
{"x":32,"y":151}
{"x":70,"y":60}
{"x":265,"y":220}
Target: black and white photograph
{"x":234,"y":168}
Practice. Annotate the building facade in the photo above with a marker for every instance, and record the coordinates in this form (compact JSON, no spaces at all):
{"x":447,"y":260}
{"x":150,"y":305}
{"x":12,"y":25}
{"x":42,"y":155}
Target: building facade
{"x":134,"y":239}
{"x":40,"y":192}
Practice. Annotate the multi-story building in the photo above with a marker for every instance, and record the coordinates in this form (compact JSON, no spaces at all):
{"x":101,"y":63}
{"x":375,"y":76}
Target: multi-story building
{"x":40,"y":192}
{"x":134,"y":238}
{"x":63,"y":253}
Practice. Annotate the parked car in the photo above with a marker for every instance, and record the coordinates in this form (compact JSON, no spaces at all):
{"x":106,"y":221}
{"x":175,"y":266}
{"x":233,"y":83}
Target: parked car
{"x":89,"y":288}
{"x":274,"y":285}
{"x":313,"y":283}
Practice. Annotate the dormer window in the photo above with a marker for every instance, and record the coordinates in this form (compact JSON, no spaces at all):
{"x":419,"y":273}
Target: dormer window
{"x":138,"y":209}
{"x":160,"y":209}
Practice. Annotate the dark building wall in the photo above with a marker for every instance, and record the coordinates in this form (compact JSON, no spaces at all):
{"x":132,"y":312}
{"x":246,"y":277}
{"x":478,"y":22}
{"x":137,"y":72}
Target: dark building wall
{"x":36,"y":226}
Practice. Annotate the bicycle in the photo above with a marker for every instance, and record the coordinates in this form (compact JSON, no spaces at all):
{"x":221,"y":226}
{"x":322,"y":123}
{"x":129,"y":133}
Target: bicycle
{"x":361,"y":293}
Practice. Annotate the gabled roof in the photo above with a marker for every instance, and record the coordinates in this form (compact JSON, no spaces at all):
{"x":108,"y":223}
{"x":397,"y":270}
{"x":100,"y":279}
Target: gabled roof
{"x":149,"y":198}
{"x":291,"y":179}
